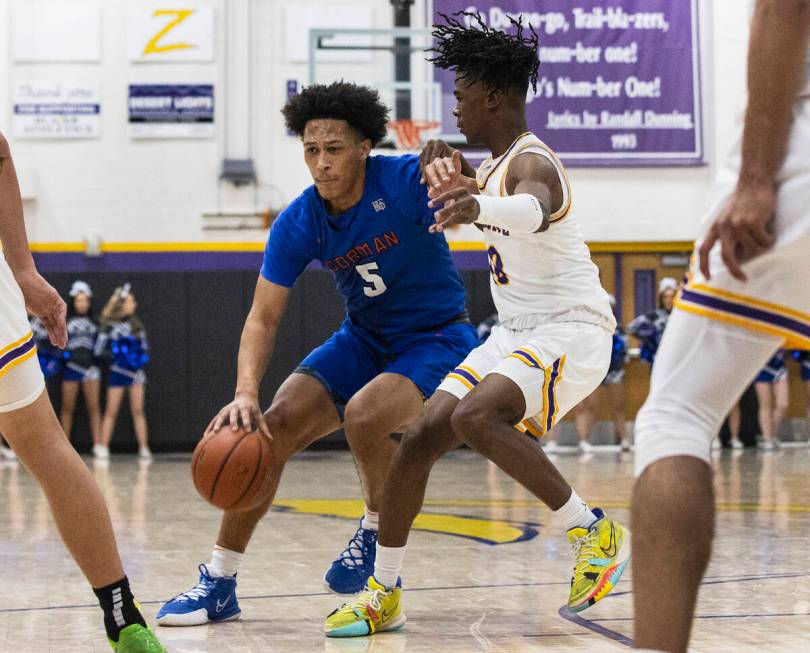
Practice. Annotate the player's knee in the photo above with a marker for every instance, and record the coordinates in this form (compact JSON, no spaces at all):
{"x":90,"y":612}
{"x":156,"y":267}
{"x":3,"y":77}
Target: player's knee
{"x":362,"y":424}
{"x":666,"y":430}
{"x":280,"y":420}
{"x":424,"y":443}
{"x":470,"y":422}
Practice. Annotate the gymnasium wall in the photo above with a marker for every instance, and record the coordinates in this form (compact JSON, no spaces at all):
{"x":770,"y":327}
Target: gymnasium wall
{"x":132,"y":191}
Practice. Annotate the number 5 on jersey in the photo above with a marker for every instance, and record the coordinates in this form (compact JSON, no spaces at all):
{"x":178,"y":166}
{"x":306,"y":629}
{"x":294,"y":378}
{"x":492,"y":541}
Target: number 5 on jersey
{"x":378,"y":286}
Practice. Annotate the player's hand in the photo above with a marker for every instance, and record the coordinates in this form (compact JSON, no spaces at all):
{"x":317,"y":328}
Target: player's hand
{"x":244,"y":410}
{"x":42,"y":300}
{"x":744,"y":229}
{"x":444,"y":174}
{"x":459,"y":207}
{"x":434,"y":149}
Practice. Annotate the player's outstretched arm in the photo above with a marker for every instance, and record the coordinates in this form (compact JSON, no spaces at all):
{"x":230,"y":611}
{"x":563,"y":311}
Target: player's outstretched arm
{"x":776,"y":60}
{"x":40,"y":298}
{"x":255,"y":349}
{"x":531,"y":183}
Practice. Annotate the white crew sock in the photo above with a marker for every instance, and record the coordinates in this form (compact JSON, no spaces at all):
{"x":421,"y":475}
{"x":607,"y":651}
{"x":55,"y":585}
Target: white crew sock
{"x":388,"y":564}
{"x":371,"y":520}
{"x":224,"y":562}
{"x":575,"y":513}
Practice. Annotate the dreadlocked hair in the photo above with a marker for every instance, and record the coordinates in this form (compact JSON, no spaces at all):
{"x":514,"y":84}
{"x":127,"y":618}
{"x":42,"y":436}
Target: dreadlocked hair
{"x":477,"y":53}
{"x":359,"y":106}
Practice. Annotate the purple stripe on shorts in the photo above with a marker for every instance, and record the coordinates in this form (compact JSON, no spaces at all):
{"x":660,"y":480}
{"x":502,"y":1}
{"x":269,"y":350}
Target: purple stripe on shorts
{"x":552,"y":381}
{"x":743,"y":310}
{"x":16,"y":353}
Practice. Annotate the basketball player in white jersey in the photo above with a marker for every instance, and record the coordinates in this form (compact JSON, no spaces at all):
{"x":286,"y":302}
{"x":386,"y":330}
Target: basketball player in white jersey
{"x":551,"y":349}
{"x":747,"y":295}
{"x":29,"y":424}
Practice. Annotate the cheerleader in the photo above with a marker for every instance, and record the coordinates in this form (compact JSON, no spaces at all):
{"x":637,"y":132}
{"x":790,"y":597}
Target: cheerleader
{"x":772,"y":392}
{"x":803,"y":358}
{"x":80,"y":367}
{"x":122,"y":341}
{"x":49,"y":357}
{"x":649,"y":328}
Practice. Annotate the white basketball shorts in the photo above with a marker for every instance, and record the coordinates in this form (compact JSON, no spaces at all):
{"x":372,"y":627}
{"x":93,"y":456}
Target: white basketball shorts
{"x":21,"y":380}
{"x":555,"y":365}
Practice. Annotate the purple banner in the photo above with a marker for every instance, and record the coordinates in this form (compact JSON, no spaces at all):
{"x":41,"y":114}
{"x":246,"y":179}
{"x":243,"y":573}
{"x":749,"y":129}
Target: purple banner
{"x":619,"y":80}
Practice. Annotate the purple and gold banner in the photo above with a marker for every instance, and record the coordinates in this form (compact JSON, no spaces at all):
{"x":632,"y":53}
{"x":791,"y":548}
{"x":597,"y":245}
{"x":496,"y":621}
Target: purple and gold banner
{"x":619,"y":80}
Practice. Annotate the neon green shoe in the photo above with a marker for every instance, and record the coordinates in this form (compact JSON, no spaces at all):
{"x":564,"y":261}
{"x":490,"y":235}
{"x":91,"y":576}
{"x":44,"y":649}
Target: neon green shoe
{"x":375,"y":610}
{"x":602,"y":553}
{"x":137,"y":639}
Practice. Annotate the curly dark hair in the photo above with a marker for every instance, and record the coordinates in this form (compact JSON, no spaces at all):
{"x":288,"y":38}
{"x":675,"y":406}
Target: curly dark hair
{"x":477,"y":53}
{"x":359,"y":106}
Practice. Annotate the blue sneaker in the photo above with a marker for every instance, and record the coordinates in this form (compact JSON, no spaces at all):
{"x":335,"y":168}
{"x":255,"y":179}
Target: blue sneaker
{"x":212,"y":599}
{"x":349,"y":573}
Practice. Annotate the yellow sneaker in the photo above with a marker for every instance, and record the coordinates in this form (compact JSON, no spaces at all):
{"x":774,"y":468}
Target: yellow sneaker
{"x":602,"y":553}
{"x":376,"y":609}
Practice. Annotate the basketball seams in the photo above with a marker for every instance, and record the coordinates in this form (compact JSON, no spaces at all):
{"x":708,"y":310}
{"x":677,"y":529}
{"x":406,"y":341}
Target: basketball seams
{"x":224,"y":465}
{"x":255,"y":469}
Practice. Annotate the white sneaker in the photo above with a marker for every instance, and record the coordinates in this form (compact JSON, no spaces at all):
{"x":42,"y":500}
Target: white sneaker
{"x":7,"y":453}
{"x":551,"y":446}
{"x":767,"y":445}
{"x":144,"y":453}
{"x":101,"y":452}
{"x":626,"y":445}
{"x":736,"y":444}
{"x":716,"y":444}
{"x":585,"y":446}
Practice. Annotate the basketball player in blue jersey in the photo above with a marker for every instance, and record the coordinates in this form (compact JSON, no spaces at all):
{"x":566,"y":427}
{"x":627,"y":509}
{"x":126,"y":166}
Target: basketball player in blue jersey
{"x":366,"y":219}
{"x":551,"y":349}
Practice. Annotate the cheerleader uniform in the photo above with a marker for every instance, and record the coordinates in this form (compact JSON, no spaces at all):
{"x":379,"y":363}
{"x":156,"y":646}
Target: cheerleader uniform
{"x":126,"y":349}
{"x":775,"y":370}
{"x":618,"y":357}
{"x":649,"y":328}
{"x":50,"y":358}
{"x":80,"y":362}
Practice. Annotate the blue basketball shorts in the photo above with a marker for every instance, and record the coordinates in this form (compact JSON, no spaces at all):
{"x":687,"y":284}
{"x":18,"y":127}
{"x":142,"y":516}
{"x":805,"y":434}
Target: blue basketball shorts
{"x":352,"y":357}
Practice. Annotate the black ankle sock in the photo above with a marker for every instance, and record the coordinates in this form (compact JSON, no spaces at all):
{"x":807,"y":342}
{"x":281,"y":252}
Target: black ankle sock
{"x":119,"y":607}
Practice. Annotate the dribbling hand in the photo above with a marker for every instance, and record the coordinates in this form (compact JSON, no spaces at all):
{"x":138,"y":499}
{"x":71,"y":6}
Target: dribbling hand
{"x":244,"y":410}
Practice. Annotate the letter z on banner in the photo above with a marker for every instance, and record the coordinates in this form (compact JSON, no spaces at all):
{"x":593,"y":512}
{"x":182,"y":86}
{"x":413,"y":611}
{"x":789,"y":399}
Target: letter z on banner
{"x":167,"y":30}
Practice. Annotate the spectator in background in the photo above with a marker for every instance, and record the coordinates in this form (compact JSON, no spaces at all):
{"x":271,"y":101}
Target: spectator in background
{"x":122,"y":341}
{"x":49,"y":356}
{"x":614,"y":384}
{"x":772,"y":392}
{"x":803,"y":358}
{"x":80,"y":369}
{"x":649,"y":327}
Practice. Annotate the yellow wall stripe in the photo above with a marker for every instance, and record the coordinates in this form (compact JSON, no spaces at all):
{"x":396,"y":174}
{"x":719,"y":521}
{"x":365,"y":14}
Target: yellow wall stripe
{"x":617,"y":247}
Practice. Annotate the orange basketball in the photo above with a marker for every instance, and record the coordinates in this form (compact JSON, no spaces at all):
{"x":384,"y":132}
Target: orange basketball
{"x":234,"y":470}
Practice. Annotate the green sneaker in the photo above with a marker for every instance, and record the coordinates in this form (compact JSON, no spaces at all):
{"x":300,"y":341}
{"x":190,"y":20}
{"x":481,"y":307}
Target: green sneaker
{"x":137,"y":639}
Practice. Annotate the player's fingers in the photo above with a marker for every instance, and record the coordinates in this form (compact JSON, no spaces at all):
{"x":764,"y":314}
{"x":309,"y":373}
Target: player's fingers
{"x":761,"y":235}
{"x":728,"y":251}
{"x":218,"y":421}
{"x":456,"y":159}
{"x":247,"y":422}
{"x":432,"y":176}
{"x":446,"y":196}
{"x":704,"y":251}
{"x":442,"y":171}
{"x":233,"y":418}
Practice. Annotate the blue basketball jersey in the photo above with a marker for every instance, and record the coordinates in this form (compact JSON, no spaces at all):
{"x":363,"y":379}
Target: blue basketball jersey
{"x":395,"y":276}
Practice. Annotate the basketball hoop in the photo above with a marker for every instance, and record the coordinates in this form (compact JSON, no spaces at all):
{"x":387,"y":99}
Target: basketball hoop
{"x":408,"y":133}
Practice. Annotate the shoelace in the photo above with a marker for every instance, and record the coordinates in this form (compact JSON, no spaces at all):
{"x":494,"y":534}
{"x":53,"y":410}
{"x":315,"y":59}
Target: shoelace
{"x":368,"y":597}
{"x":355,"y":551}
{"x":584,"y":550}
{"x":200,"y":590}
